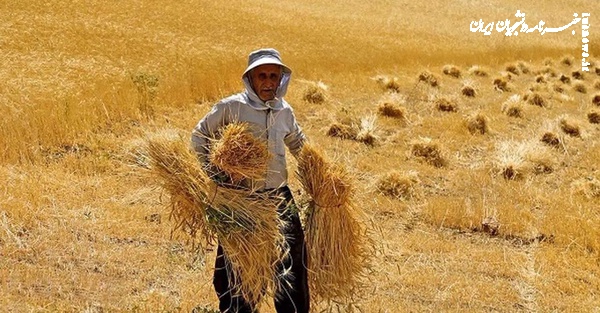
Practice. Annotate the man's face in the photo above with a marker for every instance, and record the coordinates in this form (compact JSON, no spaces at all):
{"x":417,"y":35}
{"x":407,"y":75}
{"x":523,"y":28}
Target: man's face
{"x":265,"y":80}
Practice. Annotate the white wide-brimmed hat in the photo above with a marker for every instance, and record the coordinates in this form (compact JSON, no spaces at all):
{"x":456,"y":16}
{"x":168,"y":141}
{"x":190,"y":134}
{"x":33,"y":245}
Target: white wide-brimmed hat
{"x":265,"y":56}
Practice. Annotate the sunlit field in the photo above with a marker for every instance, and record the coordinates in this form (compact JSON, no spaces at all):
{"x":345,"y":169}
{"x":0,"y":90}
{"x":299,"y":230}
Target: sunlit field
{"x":476,"y":157}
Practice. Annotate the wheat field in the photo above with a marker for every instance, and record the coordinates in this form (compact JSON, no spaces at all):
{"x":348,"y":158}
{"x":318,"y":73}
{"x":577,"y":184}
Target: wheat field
{"x":476,"y":156}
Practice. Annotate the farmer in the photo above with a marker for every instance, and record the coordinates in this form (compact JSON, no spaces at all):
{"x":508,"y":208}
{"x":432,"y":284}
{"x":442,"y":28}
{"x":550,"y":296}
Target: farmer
{"x":270,"y":117}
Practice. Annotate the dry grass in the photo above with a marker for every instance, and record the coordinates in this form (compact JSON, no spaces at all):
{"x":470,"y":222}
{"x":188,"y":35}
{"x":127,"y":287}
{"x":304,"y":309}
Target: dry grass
{"x":334,"y":236}
{"x":579,"y":225}
{"x":488,"y":214}
{"x":239,"y":154}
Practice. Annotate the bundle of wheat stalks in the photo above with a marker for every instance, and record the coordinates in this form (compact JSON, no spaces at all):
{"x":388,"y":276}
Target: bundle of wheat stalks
{"x":335,"y":238}
{"x":239,"y":154}
{"x":246,"y":225}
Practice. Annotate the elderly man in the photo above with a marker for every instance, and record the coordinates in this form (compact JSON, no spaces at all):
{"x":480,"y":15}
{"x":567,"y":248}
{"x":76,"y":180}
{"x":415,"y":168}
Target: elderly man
{"x":270,"y":117}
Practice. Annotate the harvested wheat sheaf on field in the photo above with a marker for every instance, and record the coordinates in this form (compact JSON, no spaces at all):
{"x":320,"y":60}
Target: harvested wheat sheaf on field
{"x":477,"y":70}
{"x":388,"y":83}
{"x":429,"y":151}
{"x":246,"y":225}
{"x":366,"y":133}
{"x":399,"y":185}
{"x":513,"y":106}
{"x":588,"y":186}
{"x":512,"y":68}
{"x":594,"y":116}
{"x":477,"y":123}
{"x":362,"y":130}
{"x":392,"y":106}
{"x":452,"y":70}
{"x":501,"y":84}
{"x":517,"y":160}
{"x":429,"y":78}
{"x":343,"y":131}
{"x":315,"y":92}
{"x":445,"y":103}
{"x":335,"y":238}
{"x":468,"y":88}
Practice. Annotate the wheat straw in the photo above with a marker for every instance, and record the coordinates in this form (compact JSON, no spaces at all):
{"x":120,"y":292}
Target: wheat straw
{"x":239,"y":154}
{"x":247,"y":226}
{"x":335,"y":239}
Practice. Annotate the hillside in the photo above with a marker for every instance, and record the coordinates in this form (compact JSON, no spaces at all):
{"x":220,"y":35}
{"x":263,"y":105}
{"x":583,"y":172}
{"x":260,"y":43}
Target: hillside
{"x":473,"y":203}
